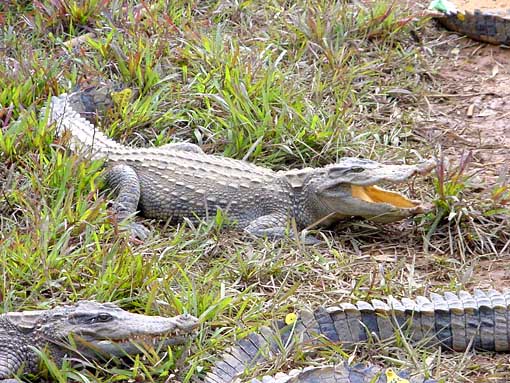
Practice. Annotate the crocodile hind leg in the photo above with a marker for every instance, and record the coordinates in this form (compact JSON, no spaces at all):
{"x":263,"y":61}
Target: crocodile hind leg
{"x":274,"y":226}
{"x":124,"y":181}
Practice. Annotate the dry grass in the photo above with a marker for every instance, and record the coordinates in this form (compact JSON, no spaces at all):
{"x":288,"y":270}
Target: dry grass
{"x":293,"y":83}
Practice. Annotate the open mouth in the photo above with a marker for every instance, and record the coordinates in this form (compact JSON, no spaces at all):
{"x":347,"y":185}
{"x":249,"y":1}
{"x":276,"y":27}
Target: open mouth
{"x":148,"y":340}
{"x":121,"y":348}
{"x":132,"y":345}
{"x":374,"y":194}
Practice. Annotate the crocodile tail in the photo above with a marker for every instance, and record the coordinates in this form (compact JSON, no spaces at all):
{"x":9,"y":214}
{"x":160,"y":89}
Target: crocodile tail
{"x":84,"y":135}
{"x":453,"y":321}
{"x":271,"y":343}
{"x":490,"y":26}
{"x":342,"y":373}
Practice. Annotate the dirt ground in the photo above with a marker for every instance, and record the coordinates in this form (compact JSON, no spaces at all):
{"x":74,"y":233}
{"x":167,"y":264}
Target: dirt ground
{"x":467,"y":114}
{"x":470,"y":111}
{"x":472,"y":5}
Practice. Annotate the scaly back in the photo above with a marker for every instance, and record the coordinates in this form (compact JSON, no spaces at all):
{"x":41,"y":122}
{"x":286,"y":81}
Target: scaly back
{"x":87,"y":139}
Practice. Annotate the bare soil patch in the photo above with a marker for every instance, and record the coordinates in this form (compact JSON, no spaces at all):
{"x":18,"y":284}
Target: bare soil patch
{"x":473,"y":5}
{"x":470,"y":112}
{"x":466,"y":113}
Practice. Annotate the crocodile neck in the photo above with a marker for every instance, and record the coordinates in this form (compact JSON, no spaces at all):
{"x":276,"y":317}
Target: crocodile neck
{"x":17,"y":348}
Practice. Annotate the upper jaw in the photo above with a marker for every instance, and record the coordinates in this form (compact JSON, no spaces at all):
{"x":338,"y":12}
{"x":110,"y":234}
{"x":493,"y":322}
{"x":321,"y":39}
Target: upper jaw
{"x":153,"y":331}
{"x":393,"y":173}
{"x":372,"y":173}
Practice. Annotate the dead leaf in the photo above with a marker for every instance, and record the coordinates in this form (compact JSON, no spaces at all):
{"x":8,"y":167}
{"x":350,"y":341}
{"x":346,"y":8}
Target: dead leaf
{"x":470,"y":110}
{"x":495,"y":71}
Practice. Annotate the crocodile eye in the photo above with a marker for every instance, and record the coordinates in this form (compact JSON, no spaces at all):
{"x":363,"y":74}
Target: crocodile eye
{"x":356,"y":170}
{"x":103,"y":317}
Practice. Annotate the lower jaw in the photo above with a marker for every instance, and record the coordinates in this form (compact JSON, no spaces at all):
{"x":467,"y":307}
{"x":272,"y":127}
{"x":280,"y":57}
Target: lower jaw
{"x":120,"y":349}
{"x":375,"y":194}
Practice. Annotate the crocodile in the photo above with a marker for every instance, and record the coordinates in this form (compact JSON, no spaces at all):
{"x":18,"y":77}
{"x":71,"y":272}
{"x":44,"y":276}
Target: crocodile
{"x":453,"y":321}
{"x":179,"y":181}
{"x":87,"y":329}
{"x":482,"y":22}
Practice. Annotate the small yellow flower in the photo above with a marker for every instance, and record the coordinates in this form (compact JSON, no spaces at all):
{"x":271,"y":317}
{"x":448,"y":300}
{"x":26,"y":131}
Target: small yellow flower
{"x":290,"y":318}
{"x":392,"y":377}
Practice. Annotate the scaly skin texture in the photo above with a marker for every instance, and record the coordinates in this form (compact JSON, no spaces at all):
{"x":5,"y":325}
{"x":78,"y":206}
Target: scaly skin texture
{"x":452,"y":321}
{"x":490,"y":26}
{"x":179,"y":181}
{"x":98,"y":330}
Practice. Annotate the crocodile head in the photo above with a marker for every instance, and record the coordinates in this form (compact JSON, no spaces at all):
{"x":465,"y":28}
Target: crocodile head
{"x":350,"y":188}
{"x":101,"y":328}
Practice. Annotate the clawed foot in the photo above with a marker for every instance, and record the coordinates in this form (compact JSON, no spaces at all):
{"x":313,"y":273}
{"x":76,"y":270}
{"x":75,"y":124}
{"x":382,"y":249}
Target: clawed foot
{"x":138,"y":230}
{"x":307,"y":239}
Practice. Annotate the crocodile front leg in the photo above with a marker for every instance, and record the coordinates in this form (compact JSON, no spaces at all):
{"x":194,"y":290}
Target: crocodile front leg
{"x":11,"y":360}
{"x":124,"y":181}
{"x":16,"y":353}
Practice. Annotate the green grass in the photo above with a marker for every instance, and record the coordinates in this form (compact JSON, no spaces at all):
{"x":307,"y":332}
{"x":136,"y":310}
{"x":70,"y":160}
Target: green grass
{"x":282,"y":84}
